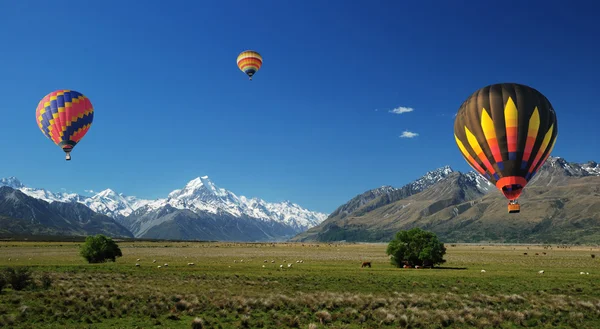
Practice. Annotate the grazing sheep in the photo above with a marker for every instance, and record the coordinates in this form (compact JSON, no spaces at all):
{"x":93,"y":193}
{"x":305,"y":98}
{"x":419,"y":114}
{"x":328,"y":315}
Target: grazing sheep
{"x":166,"y":265}
{"x":301,"y":261}
{"x":154,"y":261}
{"x":263,"y":266}
{"x":289,"y":265}
{"x":138,"y":259}
{"x":265,"y":261}
{"x":272,"y":261}
{"x":280,"y":266}
{"x":297,"y":262}
{"x":137,"y":265}
{"x":582,"y":273}
{"x":159,"y":266}
{"x":587,"y":273}
{"x":417,"y":266}
{"x":593,"y":256}
{"x":541,"y":272}
{"x":482,"y":271}
{"x":191,"y":264}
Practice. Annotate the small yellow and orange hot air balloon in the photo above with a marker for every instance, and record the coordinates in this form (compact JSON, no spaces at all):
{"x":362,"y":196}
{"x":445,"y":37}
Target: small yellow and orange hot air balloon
{"x":249,"y":61}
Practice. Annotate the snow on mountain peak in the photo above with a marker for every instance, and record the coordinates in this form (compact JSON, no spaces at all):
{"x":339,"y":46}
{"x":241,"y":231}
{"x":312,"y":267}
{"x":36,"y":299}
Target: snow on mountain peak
{"x":12,"y":182}
{"x":107,"y":193}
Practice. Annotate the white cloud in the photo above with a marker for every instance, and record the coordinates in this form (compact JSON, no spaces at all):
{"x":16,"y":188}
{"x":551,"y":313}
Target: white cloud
{"x":402,"y":109}
{"x":89,"y":191}
{"x":408,"y":134}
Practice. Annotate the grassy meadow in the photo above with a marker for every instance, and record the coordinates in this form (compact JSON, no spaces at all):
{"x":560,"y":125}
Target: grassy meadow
{"x":228,"y":287}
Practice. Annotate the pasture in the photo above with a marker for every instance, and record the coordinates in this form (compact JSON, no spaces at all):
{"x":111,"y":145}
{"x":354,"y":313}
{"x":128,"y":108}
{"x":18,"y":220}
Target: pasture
{"x":231,"y":286}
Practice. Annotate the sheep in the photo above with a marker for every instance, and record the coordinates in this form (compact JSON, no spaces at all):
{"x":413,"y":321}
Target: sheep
{"x":272,"y":261}
{"x":297,"y":262}
{"x":301,"y":261}
{"x":137,"y":265}
{"x":235,"y":260}
{"x":581,"y":273}
{"x":289,"y":265}
{"x":159,"y":266}
{"x":265,"y":261}
{"x":191,"y":264}
{"x":280,"y":266}
{"x":138,"y":259}
{"x":166,"y":265}
{"x":541,"y":272}
{"x":263,"y":266}
{"x":154,"y":261}
{"x":482,"y":271}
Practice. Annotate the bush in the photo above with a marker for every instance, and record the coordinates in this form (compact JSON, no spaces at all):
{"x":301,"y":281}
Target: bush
{"x":416,"y":247}
{"x":19,"y":279}
{"x":2,"y":282}
{"x":99,"y":249}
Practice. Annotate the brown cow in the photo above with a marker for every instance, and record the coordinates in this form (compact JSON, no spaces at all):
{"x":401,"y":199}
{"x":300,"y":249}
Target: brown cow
{"x":365,"y":264}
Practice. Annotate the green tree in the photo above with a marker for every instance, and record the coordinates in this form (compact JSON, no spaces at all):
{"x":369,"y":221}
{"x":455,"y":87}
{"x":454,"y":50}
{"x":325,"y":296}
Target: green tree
{"x":416,"y":247}
{"x":99,"y":249}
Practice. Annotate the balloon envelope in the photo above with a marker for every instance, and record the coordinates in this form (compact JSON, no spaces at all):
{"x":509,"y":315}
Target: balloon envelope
{"x":249,"y":62}
{"x":64,"y":117}
{"x":506,"y":132}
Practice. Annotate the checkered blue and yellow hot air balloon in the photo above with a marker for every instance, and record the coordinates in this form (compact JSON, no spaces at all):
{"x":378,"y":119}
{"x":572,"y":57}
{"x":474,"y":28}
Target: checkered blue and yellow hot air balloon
{"x":64,"y":116}
{"x":506,"y":132}
{"x":249,"y":61}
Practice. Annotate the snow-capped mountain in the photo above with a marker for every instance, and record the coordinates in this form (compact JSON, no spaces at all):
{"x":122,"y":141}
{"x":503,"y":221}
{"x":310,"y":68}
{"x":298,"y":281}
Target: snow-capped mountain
{"x":40,"y":193}
{"x":114,"y":205}
{"x":200,"y":195}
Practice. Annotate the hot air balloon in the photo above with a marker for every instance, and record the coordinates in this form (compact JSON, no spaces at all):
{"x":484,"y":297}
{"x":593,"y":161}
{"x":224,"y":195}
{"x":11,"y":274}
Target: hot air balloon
{"x":249,"y":62}
{"x":64,"y":116}
{"x":506,"y":132}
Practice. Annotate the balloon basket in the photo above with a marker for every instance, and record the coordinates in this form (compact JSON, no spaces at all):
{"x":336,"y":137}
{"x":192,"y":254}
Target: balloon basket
{"x":514,"y":208}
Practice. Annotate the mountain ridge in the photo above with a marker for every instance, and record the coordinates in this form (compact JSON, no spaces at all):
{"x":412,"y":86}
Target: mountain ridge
{"x":464,"y":207}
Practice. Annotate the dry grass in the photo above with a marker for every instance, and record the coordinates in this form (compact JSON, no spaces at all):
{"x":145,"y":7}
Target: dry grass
{"x":328,"y":289}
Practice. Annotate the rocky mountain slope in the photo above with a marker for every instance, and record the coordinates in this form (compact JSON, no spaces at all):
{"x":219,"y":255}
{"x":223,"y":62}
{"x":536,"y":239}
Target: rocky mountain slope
{"x":561,"y":204}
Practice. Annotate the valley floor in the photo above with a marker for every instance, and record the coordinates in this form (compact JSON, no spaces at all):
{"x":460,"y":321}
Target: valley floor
{"x":229,"y":288}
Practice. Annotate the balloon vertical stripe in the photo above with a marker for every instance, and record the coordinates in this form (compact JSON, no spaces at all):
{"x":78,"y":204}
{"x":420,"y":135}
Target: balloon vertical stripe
{"x":469,"y":158}
{"x":477,"y":148}
{"x":532,"y":132}
{"x":511,"y":116}
{"x":487,"y":125}
{"x":540,"y":153}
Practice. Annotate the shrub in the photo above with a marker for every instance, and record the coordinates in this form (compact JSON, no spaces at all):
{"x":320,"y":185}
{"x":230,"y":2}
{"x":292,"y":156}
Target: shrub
{"x":19,"y":278}
{"x":416,"y":247}
{"x":2,"y":282}
{"x":99,"y":249}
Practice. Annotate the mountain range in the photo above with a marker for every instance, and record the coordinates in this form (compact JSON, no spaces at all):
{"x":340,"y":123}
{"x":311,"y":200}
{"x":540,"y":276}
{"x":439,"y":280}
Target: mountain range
{"x":561,"y":204}
{"x":200,"y":210}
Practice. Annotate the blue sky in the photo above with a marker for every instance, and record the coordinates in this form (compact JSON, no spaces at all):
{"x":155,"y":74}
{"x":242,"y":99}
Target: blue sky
{"x":314,"y":126}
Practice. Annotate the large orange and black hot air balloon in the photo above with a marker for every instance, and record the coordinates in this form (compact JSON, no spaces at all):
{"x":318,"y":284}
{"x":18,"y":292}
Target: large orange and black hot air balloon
{"x":506,"y":132}
{"x":249,"y":61}
{"x":64,"y":116}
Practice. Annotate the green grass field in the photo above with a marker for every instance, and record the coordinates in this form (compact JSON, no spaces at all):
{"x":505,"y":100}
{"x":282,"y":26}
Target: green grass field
{"x":327,"y":290}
